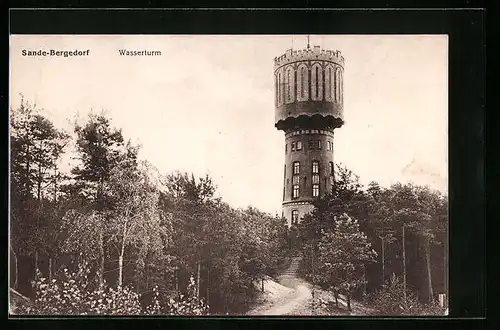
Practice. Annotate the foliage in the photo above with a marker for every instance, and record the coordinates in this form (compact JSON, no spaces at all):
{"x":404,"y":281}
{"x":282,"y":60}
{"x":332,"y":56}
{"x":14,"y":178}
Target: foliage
{"x":342,"y":255}
{"x":36,"y":147}
{"x":382,"y":213}
{"x":389,"y":300}
{"x":71,"y":293}
{"x":188,"y":304}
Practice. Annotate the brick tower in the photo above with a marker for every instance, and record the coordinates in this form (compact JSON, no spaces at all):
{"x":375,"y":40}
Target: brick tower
{"x":309,"y":106}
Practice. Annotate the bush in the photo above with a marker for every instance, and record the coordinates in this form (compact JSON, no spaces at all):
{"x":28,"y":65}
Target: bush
{"x":179,"y":304}
{"x":72,"y":294}
{"x":390,"y":301}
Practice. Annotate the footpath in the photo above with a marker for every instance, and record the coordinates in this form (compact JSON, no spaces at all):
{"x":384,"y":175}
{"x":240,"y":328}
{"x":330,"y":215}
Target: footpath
{"x":291,"y":295}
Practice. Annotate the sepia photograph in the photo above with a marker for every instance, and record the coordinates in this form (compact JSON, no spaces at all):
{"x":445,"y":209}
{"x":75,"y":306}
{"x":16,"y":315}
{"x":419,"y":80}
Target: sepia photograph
{"x":228,"y":175}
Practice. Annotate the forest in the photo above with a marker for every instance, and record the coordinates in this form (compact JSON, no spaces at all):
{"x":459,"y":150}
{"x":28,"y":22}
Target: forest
{"x":114,"y":236}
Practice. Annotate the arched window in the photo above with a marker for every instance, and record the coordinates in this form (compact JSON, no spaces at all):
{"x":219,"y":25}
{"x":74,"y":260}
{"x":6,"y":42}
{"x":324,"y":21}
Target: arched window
{"x":334,"y":86}
{"x":316,"y":83}
{"x":290,"y":85}
{"x":295,"y":217}
{"x":302,"y":83}
{"x":337,"y":85}
{"x":277,"y":89}
{"x":341,"y":87}
{"x":287,"y":91}
{"x":295,"y":83}
{"x":328,"y":84}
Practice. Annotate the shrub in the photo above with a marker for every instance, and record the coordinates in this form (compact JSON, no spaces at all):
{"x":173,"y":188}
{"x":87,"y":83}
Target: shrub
{"x":178,"y":304}
{"x":72,"y":294}
{"x":390,"y":301}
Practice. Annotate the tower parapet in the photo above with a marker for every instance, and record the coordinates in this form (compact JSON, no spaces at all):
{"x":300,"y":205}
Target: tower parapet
{"x":315,"y":53}
{"x":309,"y":88}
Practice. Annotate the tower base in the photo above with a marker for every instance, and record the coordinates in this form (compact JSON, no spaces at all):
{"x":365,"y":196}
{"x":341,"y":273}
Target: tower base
{"x":302,"y":209}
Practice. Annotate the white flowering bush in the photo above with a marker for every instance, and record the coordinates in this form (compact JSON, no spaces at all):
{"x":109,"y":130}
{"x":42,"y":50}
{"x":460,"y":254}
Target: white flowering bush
{"x":71,"y":293}
{"x":188,"y":304}
{"x":120,"y":301}
{"x":179,"y":304}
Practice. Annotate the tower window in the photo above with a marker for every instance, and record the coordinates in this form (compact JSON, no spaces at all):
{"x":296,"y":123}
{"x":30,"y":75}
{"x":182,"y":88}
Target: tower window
{"x":295,"y":179}
{"x":315,"y":190}
{"x":341,"y":87}
{"x":293,"y":146}
{"x":288,"y":86}
{"x":295,"y":217}
{"x":295,"y":192}
{"x":328,"y":85}
{"x":314,"y":144}
{"x":302,"y":87}
{"x":279,"y":87}
{"x":315,"y":167}
{"x":331,"y":168}
{"x":317,"y":81}
{"x":296,"y":167}
{"x":294,"y":84}
{"x":286,"y":148}
{"x":330,"y":146}
{"x":335,"y":87}
{"x":315,"y":178}
{"x":299,"y":145}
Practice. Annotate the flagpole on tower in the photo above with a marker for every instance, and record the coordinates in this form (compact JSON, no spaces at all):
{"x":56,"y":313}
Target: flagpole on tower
{"x":308,"y":42}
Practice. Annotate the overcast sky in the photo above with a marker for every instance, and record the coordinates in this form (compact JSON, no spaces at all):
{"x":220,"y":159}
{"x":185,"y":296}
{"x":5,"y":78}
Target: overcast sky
{"x":206,"y":105}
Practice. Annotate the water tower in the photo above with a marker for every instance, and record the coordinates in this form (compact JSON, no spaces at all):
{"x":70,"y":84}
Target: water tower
{"x":309,"y":107}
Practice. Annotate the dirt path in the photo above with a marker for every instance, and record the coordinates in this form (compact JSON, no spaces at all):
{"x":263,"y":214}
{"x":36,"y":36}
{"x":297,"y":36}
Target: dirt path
{"x":291,"y":295}
{"x":286,"y":296}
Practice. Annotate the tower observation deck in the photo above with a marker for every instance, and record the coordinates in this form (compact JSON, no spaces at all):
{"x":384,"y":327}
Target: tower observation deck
{"x":308,"y":108}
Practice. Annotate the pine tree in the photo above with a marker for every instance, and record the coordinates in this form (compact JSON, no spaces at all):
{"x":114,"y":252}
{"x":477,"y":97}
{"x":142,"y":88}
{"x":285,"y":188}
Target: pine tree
{"x":343,"y":255}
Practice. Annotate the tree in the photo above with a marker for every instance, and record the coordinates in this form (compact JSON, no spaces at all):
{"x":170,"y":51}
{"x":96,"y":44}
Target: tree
{"x":135,"y":219}
{"x":381,"y":219}
{"x":419,"y":211}
{"x":100,"y":149}
{"x":36,"y":147}
{"x":192,"y":203}
{"x":343,"y":254}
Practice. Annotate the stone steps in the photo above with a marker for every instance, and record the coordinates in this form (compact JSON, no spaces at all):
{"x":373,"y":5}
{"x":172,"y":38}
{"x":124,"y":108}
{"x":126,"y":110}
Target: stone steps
{"x":294,"y":266}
